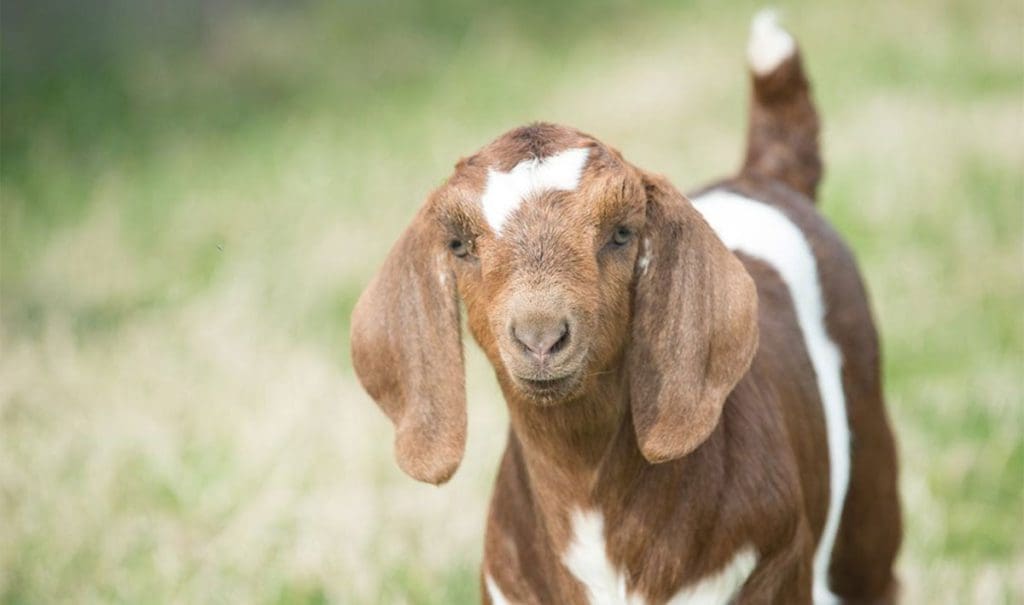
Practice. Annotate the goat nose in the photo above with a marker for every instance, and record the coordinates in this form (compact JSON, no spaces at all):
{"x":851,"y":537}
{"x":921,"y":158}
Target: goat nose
{"x":542,"y":336}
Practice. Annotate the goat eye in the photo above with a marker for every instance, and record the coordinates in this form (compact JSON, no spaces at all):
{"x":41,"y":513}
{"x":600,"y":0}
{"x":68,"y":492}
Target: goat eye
{"x":621,"y":236}
{"x":458,"y":247}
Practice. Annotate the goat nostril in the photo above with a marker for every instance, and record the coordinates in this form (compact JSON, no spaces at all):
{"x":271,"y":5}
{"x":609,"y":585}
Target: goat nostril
{"x":541,"y":338}
{"x":563,"y":339}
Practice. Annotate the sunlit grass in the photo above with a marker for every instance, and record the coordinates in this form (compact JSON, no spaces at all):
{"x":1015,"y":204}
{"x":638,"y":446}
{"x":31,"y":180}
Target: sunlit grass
{"x":184,"y":237}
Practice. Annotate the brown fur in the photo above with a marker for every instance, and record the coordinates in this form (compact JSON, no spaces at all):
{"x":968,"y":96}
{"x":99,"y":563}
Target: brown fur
{"x":694,"y":328}
{"x":683,"y":405}
{"x":782,"y":136}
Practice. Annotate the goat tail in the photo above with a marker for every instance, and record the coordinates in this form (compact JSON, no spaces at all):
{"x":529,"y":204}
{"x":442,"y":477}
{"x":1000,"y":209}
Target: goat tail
{"x":782,"y":138}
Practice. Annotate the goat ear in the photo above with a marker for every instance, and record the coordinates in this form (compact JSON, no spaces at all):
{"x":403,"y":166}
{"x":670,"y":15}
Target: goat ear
{"x":407,"y":352}
{"x":694,"y":327}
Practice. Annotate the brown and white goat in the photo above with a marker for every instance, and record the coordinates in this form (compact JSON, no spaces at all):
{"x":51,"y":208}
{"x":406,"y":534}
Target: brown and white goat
{"x":693,"y":386}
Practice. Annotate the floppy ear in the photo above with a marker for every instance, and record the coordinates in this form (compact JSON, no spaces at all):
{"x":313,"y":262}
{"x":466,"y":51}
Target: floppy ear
{"x":694,"y":327}
{"x":407,"y":352}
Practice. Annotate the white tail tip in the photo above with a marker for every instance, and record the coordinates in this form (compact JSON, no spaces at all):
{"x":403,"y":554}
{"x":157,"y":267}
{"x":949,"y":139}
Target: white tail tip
{"x":769,"y":45}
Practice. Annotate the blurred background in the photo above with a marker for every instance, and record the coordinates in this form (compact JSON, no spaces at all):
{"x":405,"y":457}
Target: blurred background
{"x":194,"y":194}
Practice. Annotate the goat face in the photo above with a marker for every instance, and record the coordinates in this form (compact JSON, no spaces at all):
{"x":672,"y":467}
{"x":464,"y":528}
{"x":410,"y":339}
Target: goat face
{"x":572,"y":264}
{"x":543,"y":251}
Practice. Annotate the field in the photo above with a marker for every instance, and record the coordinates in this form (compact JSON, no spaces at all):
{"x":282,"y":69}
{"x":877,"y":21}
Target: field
{"x":190,"y":211}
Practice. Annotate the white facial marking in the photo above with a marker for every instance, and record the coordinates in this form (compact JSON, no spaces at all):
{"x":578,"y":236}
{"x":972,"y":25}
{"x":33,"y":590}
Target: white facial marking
{"x":505,"y":191}
{"x":587,"y":560}
{"x":769,"y":44}
{"x":645,"y":256}
{"x":497,"y":597}
{"x":766,"y":233}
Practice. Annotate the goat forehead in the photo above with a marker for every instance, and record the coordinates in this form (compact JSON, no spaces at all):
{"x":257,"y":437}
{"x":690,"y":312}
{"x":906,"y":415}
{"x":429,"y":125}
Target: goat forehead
{"x":505,"y":191}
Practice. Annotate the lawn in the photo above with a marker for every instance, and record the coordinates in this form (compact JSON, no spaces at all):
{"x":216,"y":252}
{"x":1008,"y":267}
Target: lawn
{"x":193,"y":199}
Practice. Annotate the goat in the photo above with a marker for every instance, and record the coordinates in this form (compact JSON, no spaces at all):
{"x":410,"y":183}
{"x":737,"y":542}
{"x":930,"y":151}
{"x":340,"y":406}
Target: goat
{"x":693,"y":387}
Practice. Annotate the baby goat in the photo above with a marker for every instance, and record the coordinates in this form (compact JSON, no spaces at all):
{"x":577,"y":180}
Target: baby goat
{"x":693,"y":386}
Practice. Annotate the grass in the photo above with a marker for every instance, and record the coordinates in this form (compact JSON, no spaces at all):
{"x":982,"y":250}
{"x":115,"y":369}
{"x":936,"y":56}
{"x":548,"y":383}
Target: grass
{"x":186,"y":222}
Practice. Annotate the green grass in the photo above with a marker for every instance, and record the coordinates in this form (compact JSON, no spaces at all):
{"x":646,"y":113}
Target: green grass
{"x":188,"y":219}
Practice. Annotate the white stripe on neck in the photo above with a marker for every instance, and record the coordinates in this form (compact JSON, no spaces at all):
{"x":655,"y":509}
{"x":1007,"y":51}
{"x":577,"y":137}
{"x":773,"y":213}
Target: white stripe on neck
{"x":586,"y":558}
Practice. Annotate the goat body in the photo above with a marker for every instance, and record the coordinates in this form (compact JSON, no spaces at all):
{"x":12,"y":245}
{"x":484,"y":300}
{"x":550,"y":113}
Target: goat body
{"x":694,"y":386}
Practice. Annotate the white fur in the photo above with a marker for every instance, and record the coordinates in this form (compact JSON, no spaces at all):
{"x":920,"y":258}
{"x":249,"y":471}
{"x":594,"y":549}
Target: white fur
{"x":645,"y":256}
{"x":721,"y":587}
{"x":766,"y":233}
{"x":497,"y":597}
{"x":769,"y":44}
{"x":442,"y":273}
{"x":505,"y":191}
{"x":587,"y":560}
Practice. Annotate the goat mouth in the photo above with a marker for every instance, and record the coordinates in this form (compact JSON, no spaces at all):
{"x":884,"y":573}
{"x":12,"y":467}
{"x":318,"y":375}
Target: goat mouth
{"x":544,"y":385}
{"x":548,"y":389}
